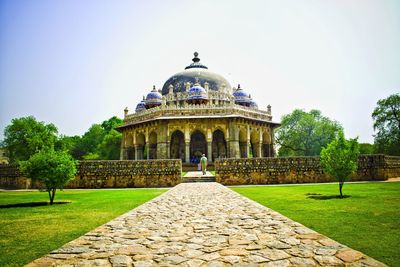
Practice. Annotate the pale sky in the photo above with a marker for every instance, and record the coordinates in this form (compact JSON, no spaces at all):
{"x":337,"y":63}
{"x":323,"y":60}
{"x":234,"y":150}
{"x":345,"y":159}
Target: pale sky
{"x":79,"y":62}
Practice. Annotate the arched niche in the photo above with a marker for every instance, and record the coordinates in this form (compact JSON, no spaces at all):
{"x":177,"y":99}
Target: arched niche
{"x":218,"y":145}
{"x":140,"y":146}
{"x":243,"y":143}
{"x":198,"y":146}
{"x":152,"y":147}
{"x":177,"y":145}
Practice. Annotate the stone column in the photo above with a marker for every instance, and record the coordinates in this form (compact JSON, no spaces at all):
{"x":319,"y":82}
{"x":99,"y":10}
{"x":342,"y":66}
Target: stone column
{"x":187,"y":144}
{"x":248,"y":141}
{"x":209,"y":151}
{"x":122,"y":153}
{"x":234,"y":149}
{"x":187,"y":151}
{"x":271,"y":147}
{"x":209,"y":145}
{"x":227,"y":148}
{"x":136,"y":152}
{"x":259,"y":149}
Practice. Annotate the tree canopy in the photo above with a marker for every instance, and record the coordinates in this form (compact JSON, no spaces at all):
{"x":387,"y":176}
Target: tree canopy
{"x":53,"y":168}
{"x":305,"y":133}
{"x":25,"y":136}
{"x":366,"y":148}
{"x":101,"y":141}
{"x":340,"y":158}
{"x":386,"y":118}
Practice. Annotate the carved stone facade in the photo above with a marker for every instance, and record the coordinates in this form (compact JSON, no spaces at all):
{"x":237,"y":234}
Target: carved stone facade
{"x":197,"y":112}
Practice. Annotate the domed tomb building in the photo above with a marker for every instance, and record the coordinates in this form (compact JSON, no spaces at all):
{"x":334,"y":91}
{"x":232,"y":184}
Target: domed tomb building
{"x":197,"y":111}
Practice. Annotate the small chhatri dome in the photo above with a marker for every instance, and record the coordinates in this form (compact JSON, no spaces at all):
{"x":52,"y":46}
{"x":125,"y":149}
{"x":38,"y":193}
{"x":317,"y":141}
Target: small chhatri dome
{"x":197,"y":94}
{"x":241,"y":97}
{"x":153,"y":99}
{"x":253,"y":104}
{"x":140,"y":106}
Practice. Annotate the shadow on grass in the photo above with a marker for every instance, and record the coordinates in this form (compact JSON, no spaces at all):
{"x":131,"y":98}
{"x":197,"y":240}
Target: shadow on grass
{"x":322,"y":197}
{"x":31,"y":204}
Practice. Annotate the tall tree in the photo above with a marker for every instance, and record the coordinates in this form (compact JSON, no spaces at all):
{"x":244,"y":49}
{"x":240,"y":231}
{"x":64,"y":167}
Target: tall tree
{"x":25,"y":136}
{"x":339,"y":159}
{"x":305,"y":133}
{"x":386,"y":118}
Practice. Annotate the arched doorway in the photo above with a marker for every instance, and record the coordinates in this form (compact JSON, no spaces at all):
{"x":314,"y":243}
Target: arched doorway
{"x":254,"y":144}
{"x":140,"y":145}
{"x":177,"y":146}
{"x":198,"y":146}
{"x":266,"y":146}
{"x":152,"y":149}
{"x":218,"y":145}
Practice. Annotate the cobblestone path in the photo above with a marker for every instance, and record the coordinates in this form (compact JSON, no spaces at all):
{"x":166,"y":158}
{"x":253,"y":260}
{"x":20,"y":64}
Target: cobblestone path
{"x":203,"y":224}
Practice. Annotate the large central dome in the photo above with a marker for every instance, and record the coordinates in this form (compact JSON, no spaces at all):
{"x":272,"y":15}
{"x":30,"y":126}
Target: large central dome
{"x":196,"y":72}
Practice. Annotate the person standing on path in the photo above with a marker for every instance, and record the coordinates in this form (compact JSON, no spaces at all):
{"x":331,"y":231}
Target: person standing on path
{"x":203,"y":162}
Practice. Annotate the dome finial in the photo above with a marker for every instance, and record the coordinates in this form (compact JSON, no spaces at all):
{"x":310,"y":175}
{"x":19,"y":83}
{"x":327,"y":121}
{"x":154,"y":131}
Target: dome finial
{"x":238,"y":86}
{"x":154,"y":87}
{"x":196,"y":59}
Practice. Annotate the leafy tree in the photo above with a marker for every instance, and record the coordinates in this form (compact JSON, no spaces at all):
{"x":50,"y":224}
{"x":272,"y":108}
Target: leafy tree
{"x":111,"y":145}
{"x":305,"y":133}
{"x":386,"y":118}
{"x":66,"y":143}
{"x":53,"y":168}
{"x":25,"y":136}
{"x":339,"y":159}
{"x":101,"y":141}
{"x":111,"y":123}
{"x":366,"y":148}
{"x":89,"y":142}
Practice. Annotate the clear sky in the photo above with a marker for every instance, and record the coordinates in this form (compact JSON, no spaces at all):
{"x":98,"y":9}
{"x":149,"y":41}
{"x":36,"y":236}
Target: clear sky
{"x":78,"y":62}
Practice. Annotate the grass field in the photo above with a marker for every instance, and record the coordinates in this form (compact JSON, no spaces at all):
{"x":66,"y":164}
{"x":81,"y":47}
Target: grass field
{"x":367,"y":220}
{"x":27,"y":233}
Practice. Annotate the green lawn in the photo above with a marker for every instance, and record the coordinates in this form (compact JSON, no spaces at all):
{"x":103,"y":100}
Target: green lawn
{"x":27,"y":233}
{"x":368,"y":220}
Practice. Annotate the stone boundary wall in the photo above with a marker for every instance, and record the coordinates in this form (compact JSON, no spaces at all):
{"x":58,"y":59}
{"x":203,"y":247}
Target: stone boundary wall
{"x":288,"y":170}
{"x":107,"y":174}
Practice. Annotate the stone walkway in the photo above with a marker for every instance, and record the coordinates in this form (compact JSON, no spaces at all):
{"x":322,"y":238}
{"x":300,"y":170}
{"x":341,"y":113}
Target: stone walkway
{"x":203,"y":224}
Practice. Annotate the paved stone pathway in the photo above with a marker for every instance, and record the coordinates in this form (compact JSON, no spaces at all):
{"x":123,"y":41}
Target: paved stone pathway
{"x":203,"y":224}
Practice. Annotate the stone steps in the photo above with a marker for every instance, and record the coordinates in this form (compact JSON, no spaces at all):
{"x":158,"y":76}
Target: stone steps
{"x":205,"y":179}
{"x":198,"y":177}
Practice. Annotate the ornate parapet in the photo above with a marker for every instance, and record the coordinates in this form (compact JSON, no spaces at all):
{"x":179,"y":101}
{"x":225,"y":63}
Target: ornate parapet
{"x":299,"y":170}
{"x":182,"y":112}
